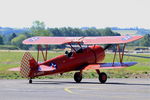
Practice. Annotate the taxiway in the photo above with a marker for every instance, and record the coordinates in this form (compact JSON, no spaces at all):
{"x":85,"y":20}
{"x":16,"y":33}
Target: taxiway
{"x":67,"y":89}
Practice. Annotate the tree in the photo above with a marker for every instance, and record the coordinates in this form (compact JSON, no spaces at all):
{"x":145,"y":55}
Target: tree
{"x":107,"y":32}
{"x":54,"y":31}
{"x":68,"y":31}
{"x":145,"y":41}
{"x":18,"y":41}
{"x":38,"y":29}
{"x":92,"y":32}
{"x":1,"y":40}
{"x":13,"y":35}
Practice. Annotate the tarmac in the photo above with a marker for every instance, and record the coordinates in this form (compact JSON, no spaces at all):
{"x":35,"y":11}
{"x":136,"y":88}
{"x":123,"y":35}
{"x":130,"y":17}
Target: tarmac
{"x":67,"y":89}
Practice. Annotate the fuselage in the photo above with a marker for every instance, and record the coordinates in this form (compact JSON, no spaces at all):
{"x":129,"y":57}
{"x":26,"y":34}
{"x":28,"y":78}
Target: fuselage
{"x":64,"y":63}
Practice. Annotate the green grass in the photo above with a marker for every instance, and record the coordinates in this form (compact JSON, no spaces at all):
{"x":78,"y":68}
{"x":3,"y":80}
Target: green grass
{"x":11,"y":59}
{"x":140,"y":70}
{"x":143,"y":64}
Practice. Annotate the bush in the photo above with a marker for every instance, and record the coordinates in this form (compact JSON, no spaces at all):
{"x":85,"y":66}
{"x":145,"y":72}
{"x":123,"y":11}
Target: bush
{"x":8,"y":47}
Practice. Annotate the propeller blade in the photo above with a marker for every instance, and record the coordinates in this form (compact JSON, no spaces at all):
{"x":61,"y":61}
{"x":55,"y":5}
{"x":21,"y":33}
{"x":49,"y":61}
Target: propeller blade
{"x":107,"y":46}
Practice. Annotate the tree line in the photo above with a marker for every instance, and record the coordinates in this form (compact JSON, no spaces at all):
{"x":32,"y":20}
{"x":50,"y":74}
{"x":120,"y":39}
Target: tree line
{"x":38,"y":29}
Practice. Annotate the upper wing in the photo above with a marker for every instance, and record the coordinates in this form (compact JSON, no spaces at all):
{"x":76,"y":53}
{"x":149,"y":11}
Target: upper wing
{"x":109,"y":65}
{"x":50,"y":40}
{"x":110,"y":39}
{"x":85,"y":40}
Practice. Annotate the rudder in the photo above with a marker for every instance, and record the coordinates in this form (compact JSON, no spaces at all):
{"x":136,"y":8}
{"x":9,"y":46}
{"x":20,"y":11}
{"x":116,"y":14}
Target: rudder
{"x":27,"y":64}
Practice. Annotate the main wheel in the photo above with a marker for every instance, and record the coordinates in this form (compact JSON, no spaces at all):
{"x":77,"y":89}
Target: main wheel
{"x":78,"y":77}
{"x":102,"y":77}
{"x":30,"y":81}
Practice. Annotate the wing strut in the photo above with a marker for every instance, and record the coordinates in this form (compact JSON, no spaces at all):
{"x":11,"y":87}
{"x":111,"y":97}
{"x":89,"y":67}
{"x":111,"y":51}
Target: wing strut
{"x":40,"y":48}
{"x":120,"y":52}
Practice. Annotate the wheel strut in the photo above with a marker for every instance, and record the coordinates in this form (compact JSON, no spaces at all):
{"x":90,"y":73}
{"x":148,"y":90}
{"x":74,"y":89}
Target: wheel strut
{"x":102,"y":76}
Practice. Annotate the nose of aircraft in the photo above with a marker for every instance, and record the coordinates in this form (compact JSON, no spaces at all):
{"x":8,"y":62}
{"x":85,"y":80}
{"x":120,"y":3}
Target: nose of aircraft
{"x":99,"y":53}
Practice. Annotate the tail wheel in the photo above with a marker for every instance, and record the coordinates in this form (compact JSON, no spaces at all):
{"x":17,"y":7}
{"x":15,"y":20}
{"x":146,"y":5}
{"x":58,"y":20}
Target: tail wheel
{"x":30,"y":81}
{"x":102,"y":77}
{"x":78,"y":77}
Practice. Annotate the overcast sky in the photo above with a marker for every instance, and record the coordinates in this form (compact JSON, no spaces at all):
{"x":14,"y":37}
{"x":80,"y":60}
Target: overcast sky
{"x":75,"y":13}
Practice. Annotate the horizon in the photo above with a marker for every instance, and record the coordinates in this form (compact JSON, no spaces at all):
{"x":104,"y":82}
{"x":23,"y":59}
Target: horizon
{"x":75,"y":13}
{"x":77,"y":27}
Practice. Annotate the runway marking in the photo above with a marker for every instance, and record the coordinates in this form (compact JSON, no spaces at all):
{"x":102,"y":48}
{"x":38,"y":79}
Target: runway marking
{"x":68,"y":90}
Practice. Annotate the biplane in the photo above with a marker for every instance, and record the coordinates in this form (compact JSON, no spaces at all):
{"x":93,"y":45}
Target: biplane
{"x":77,"y":59}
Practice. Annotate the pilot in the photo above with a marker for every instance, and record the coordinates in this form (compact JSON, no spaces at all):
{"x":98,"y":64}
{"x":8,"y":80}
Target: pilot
{"x":69,"y":54}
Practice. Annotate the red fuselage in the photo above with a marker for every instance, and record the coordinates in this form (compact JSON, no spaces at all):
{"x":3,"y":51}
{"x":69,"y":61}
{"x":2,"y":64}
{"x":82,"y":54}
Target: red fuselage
{"x":63,"y":63}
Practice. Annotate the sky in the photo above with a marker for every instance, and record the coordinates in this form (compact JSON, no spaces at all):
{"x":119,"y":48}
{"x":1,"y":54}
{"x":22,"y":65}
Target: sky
{"x":75,"y":13}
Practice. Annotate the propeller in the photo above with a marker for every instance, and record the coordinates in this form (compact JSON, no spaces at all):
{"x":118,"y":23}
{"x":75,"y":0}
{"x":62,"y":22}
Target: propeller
{"x":107,"y":46}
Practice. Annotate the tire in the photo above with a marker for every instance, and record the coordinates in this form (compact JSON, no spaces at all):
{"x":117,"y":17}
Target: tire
{"x":77,"y":77}
{"x":30,"y":81}
{"x":102,"y":77}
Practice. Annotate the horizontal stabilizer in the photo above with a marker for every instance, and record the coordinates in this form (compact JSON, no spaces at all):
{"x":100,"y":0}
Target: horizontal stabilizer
{"x":109,"y":65}
{"x":14,"y":69}
{"x":46,"y":68}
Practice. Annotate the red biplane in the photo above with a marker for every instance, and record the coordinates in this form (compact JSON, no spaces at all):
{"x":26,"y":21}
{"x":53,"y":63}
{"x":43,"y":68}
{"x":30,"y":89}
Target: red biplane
{"x":78,"y":59}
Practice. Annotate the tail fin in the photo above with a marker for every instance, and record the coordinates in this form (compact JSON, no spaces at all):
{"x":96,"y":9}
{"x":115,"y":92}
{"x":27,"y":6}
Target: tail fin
{"x":28,"y":64}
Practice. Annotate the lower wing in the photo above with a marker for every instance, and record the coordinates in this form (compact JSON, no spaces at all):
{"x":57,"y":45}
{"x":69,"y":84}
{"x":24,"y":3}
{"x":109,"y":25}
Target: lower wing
{"x":87,"y":67}
{"x":109,"y":65}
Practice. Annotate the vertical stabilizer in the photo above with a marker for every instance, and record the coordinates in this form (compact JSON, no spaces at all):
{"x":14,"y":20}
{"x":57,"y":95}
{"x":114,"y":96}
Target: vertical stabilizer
{"x":28,"y":64}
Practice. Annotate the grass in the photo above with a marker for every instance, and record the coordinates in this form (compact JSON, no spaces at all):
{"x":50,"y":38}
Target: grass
{"x":140,"y":70}
{"x":143,"y":64}
{"x":11,"y":59}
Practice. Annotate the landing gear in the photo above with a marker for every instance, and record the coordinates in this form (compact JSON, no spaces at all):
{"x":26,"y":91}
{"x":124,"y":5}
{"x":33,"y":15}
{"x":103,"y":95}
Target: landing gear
{"x":30,"y":81}
{"x":78,"y":77}
{"x":102,"y":77}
